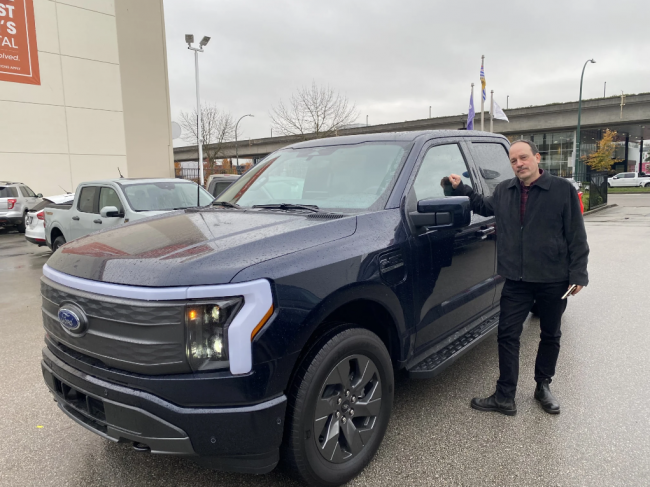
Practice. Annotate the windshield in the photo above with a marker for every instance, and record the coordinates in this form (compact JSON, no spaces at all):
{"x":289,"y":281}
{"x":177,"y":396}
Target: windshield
{"x":165,"y":196}
{"x":336,"y":177}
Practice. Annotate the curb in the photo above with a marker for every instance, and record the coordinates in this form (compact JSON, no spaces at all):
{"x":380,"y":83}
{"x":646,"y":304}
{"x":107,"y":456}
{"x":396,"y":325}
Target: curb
{"x":599,"y":209}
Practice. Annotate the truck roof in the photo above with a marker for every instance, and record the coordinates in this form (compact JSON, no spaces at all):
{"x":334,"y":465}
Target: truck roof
{"x":129,"y":181}
{"x":391,"y":137}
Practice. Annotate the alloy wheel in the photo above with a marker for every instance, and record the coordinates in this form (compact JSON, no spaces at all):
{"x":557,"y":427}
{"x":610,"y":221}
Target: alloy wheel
{"x":347,"y":408}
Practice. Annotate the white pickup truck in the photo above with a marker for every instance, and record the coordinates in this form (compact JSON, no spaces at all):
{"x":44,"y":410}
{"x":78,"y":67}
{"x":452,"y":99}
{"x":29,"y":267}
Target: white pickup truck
{"x":104,"y":204}
{"x":627,"y":179}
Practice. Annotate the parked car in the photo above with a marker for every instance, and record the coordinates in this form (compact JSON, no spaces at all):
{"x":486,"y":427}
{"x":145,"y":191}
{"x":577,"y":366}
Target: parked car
{"x":218,"y":183}
{"x":103,"y":204}
{"x":629,"y":179}
{"x":273,"y":320}
{"x":35,"y":219}
{"x":574,"y":183}
{"x":15,"y":201}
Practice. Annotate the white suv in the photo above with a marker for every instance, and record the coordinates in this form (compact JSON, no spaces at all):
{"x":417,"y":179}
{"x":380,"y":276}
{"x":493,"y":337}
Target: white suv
{"x":16,"y":199}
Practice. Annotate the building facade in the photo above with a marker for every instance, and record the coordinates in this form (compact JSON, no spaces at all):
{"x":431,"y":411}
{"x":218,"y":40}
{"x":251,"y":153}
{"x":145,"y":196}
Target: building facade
{"x":101,"y":105}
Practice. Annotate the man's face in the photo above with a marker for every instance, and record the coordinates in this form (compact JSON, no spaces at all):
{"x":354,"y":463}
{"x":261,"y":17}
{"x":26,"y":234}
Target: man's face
{"x":523,"y":162}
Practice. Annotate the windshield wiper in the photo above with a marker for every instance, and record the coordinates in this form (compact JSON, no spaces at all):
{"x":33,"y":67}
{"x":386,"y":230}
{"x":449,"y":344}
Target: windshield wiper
{"x":227,"y":204}
{"x":289,"y":206}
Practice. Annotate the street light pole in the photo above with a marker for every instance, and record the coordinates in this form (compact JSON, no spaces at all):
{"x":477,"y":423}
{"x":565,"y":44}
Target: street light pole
{"x":236,"y":148}
{"x":189,"y":38}
{"x":577,"y":161}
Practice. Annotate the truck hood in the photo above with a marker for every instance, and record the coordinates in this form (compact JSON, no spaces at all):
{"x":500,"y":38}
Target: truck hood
{"x":194,"y":248}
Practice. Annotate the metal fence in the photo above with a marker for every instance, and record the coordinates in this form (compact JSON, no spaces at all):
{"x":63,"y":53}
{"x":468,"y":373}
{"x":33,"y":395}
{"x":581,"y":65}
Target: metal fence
{"x":192,"y":173}
{"x":594,"y":189}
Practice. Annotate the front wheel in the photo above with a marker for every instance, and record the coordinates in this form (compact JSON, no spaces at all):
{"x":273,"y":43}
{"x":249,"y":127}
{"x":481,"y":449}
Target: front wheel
{"x":339,"y":406}
{"x":58,"y":241}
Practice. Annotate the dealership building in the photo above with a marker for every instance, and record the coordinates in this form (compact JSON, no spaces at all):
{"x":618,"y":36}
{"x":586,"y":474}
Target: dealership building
{"x":84,"y":92}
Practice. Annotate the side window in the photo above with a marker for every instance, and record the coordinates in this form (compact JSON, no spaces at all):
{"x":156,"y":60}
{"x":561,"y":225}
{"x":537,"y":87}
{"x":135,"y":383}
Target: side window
{"x":87,"y":199}
{"x":438,"y":163}
{"x":221,"y":187}
{"x":30,"y":192}
{"x":24,"y":192}
{"x":493,"y":163}
{"x":109,"y":197}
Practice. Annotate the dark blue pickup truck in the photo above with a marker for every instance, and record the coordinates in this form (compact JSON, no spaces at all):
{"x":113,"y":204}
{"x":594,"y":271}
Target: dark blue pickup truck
{"x":267,"y":326}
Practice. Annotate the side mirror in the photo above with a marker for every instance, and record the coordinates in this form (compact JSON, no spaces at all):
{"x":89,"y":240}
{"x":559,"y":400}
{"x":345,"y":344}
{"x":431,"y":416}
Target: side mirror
{"x":39,"y":195}
{"x":110,"y":211}
{"x":450,"y":212}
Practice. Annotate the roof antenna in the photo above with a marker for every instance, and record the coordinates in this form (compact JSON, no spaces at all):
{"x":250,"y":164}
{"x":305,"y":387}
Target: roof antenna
{"x":66,"y":191}
{"x":118,"y":170}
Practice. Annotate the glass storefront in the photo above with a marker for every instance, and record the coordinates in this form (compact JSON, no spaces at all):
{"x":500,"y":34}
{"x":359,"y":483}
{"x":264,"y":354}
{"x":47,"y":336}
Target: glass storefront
{"x":556,"y":150}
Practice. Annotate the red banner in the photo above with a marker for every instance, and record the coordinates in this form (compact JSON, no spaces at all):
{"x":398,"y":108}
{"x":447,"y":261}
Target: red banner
{"x":18,"y":52}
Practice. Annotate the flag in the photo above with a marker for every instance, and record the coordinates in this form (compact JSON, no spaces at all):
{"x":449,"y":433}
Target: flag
{"x":499,"y":114}
{"x":472,"y":112}
{"x":483,"y":79}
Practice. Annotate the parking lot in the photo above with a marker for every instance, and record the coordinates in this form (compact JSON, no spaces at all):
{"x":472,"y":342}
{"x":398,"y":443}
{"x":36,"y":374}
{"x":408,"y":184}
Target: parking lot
{"x":602,"y":436}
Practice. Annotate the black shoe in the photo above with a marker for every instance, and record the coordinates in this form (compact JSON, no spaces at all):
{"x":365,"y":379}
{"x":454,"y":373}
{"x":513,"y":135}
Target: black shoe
{"x":503,"y":406}
{"x":546,"y":398}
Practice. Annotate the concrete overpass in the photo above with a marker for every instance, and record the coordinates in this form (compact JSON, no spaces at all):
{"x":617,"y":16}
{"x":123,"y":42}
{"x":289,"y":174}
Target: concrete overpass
{"x":557,"y":117}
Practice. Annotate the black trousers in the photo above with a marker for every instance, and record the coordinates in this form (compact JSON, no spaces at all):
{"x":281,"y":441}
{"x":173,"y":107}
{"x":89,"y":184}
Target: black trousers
{"x":517,"y":298}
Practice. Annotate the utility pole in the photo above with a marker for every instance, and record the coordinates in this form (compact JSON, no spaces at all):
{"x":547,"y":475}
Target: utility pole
{"x":507,"y":100}
{"x":189,"y":38}
{"x":622,"y":104}
{"x":236,"y":148}
{"x":429,"y":111}
{"x":605,"y":90}
{"x":577,"y":161}
{"x":366,"y":120}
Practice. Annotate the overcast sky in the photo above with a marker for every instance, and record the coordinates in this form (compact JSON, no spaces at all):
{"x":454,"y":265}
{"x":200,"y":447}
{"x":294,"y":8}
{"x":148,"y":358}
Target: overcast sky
{"x":394,"y":59}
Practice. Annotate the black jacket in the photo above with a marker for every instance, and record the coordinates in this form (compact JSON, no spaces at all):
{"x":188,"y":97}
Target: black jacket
{"x":551,"y":245}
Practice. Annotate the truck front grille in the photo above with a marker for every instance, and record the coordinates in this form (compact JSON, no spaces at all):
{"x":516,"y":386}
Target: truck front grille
{"x":136,"y":336}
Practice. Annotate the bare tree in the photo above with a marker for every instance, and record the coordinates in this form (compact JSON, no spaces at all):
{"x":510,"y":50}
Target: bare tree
{"x":217,"y":127}
{"x":316,"y":110}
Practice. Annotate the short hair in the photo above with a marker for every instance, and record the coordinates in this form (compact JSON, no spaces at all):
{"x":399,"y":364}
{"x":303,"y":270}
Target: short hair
{"x":532,"y":145}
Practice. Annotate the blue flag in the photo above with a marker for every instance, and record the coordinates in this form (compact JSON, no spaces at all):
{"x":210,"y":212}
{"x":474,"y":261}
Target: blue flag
{"x":472,"y":112}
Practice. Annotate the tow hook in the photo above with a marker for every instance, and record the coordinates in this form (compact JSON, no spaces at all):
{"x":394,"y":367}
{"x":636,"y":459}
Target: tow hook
{"x":137,"y":446}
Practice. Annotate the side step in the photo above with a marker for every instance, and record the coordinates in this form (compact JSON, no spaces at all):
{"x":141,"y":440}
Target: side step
{"x":443,"y":358}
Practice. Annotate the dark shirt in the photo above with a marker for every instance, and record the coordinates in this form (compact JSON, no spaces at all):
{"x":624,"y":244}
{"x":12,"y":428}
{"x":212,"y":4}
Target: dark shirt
{"x":524,"y":196}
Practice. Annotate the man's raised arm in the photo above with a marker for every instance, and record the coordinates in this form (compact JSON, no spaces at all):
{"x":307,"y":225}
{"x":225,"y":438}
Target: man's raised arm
{"x":480,"y":204}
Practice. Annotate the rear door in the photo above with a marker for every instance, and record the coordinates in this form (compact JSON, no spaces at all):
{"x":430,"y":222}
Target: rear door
{"x":452,"y":269}
{"x":493,"y":163}
{"x":85,"y":215}
{"x":30,"y":198}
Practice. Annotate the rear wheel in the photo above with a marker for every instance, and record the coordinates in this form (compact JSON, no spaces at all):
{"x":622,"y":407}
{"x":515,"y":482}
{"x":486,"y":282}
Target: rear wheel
{"x":58,"y":241}
{"x":339,"y":407}
{"x":21,"y":225}
{"x":647,"y":185}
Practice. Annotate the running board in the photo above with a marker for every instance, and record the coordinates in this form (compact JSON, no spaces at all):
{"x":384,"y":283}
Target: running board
{"x":443,"y":358}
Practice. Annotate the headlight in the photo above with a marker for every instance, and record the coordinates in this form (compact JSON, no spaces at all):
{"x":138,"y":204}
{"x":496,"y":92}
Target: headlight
{"x":207,"y":332}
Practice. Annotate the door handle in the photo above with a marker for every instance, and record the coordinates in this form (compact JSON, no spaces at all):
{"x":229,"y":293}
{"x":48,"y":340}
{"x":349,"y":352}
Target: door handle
{"x":97,"y":221}
{"x":75,"y":218}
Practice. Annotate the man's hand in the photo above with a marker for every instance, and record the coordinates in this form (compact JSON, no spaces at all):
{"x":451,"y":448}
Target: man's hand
{"x":455,"y":180}
{"x":576,"y":290}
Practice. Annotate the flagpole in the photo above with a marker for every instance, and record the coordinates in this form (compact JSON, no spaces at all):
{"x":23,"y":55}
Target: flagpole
{"x":491,"y":110}
{"x":472,"y":98}
{"x":482,"y":101}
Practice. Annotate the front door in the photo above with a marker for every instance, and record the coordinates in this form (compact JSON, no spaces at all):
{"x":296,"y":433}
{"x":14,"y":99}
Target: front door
{"x":109,"y":197}
{"x":453,"y":269}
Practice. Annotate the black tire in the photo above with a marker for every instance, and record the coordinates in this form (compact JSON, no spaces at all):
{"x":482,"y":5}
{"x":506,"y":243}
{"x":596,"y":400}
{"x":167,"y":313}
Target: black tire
{"x":608,"y":185}
{"x":21,"y":226}
{"x":647,"y":185}
{"x":305,"y":448}
{"x":58,"y":241}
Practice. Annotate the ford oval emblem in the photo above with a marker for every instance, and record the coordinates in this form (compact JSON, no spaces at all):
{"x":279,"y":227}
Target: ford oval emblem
{"x":69,"y":319}
{"x":72,"y":319}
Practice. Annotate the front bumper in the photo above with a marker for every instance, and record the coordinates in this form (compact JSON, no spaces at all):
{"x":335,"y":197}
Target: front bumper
{"x":241,"y":439}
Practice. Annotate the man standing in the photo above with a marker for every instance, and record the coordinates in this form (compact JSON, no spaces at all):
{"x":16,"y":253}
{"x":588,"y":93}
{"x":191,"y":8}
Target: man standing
{"x":542,"y":252}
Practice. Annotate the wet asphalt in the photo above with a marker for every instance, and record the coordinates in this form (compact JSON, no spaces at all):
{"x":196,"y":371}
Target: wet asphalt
{"x":601,"y":438}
